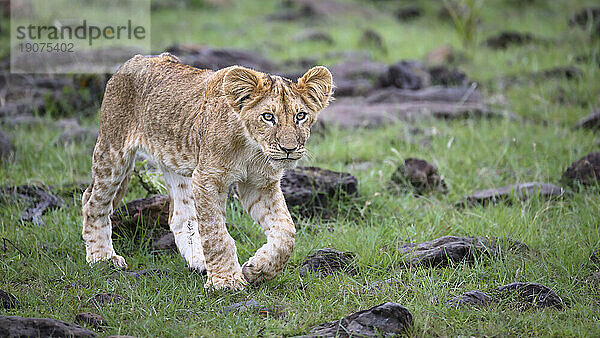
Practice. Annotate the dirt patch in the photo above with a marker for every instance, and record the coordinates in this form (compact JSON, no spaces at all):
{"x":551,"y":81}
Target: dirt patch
{"x":386,"y":285}
{"x":448,"y":250}
{"x":384,"y":319}
{"x":531,"y":294}
{"x":523,"y":295}
{"x":40,"y":201}
{"x":418,"y":175}
{"x":327,"y":261}
{"x":105,"y":299}
{"x":91,"y":319}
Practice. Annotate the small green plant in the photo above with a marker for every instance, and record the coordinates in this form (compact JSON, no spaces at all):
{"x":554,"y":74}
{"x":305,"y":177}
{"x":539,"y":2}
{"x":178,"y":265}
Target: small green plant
{"x":465,"y":15}
{"x":151,"y":181}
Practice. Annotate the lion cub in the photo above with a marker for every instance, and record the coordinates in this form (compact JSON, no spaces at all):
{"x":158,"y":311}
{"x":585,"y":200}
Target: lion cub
{"x":208,"y":130}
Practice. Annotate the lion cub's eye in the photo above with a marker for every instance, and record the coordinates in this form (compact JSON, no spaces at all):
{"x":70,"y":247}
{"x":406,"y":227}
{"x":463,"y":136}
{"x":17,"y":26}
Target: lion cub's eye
{"x":300,"y":116}
{"x":268,"y":117}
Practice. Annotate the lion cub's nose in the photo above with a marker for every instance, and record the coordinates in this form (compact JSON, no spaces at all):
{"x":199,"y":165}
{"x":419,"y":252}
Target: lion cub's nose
{"x":288,"y":150}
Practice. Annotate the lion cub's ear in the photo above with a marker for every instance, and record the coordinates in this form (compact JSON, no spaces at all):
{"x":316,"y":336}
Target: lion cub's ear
{"x":316,"y":86}
{"x":241,"y":84}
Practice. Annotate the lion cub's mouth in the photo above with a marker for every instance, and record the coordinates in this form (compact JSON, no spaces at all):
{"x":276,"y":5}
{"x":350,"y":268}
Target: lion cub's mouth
{"x":285,"y":159}
{"x":289,"y":158}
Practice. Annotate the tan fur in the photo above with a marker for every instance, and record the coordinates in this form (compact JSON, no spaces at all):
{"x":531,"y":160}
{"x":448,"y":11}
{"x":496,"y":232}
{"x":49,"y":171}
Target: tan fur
{"x":208,"y":131}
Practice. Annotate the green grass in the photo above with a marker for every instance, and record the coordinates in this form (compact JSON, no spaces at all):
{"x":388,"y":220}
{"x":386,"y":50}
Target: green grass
{"x":51,"y":279}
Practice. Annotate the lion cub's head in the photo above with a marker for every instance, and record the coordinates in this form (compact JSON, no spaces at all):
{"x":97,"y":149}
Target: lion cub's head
{"x":276,"y":112}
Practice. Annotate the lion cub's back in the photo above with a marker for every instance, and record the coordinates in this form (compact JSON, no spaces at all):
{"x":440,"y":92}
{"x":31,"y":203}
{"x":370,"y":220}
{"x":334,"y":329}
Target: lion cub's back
{"x":151,"y":94}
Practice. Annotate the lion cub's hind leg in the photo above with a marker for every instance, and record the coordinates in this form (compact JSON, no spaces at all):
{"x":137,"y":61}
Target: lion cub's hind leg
{"x":110,"y":172}
{"x":183,"y":220}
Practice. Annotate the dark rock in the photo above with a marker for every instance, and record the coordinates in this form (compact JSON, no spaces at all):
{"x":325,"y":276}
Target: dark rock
{"x":40,"y":202}
{"x":7,"y":148}
{"x":390,"y":283}
{"x":105,"y":298}
{"x":92,"y":319}
{"x":448,"y":249}
{"x":585,"y":16}
{"x":384,"y":319}
{"x":13,"y":326}
{"x":327,"y":261}
{"x":8,"y":301}
{"x":309,"y":190}
{"x":315,"y":36}
{"x":504,"y":39}
{"x":370,"y":39}
{"x":406,"y":74}
{"x":77,"y":135}
{"x":419,"y":175}
{"x":409,"y":13}
{"x":534,"y":294}
{"x":216,"y":58}
{"x":585,"y":171}
{"x":166,"y":242}
{"x":591,"y":122}
{"x":471,"y":298}
{"x":251,"y":305}
{"x":521,"y":191}
{"x":443,"y":76}
{"x":151,"y":210}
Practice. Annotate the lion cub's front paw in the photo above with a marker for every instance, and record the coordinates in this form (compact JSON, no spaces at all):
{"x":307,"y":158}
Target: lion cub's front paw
{"x":96,"y":257}
{"x":234,"y":282}
{"x":252,"y":273}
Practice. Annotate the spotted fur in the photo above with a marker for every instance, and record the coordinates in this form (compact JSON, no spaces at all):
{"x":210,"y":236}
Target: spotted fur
{"x":208,"y":130}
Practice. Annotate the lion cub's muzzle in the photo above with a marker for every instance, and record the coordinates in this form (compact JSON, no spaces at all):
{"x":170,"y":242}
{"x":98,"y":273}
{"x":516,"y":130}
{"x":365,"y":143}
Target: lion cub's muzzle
{"x":289,"y":153}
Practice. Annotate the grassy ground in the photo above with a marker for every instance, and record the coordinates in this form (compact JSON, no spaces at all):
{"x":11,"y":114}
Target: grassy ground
{"x":51,"y":279}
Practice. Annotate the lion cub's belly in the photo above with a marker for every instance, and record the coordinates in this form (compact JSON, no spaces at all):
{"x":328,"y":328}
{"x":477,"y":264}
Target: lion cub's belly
{"x":179,"y":162}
